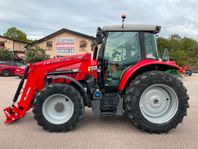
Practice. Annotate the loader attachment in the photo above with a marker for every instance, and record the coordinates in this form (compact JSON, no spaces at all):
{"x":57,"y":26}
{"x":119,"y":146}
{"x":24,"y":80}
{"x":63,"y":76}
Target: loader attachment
{"x":35,"y":82}
{"x":12,"y":112}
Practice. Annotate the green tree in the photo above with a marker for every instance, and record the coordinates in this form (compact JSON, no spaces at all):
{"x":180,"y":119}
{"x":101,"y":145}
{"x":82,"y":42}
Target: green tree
{"x":180,"y":56}
{"x":183,"y":50}
{"x":15,"y":33}
{"x":5,"y":55}
{"x":162,"y":43}
{"x":193,"y":56}
{"x":188,"y":43}
{"x":35,"y":55}
{"x":176,"y":42}
{"x":175,"y":36}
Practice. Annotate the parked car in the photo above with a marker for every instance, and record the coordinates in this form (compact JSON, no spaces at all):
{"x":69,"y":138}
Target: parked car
{"x":8,"y":68}
{"x":20,"y":71}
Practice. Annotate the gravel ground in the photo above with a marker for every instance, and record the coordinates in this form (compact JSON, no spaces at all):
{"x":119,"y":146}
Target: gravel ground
{"x":96,"y":133}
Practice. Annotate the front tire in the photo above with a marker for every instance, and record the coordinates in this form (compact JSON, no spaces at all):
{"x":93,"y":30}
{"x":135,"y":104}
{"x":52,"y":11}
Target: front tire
{"x":58,"y":108}
{"x":156,"y":101}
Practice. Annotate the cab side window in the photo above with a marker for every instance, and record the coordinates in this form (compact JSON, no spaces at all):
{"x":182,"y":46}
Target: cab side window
{"x":150,"y":46}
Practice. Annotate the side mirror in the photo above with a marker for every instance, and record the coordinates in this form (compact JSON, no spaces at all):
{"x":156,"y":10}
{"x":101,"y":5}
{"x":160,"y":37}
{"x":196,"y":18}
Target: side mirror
{"x":157,"y":36}
{"x":94,"y":45}
{"x":165,"y":56}
{"x":99,"y":35}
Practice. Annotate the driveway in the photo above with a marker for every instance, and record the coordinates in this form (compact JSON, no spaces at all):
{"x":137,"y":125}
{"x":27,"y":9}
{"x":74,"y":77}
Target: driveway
{"x":96,"y":133}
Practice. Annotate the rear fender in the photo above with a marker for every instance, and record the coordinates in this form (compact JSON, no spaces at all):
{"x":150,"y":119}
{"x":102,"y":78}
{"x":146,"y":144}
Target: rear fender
{"x":143,"y":66}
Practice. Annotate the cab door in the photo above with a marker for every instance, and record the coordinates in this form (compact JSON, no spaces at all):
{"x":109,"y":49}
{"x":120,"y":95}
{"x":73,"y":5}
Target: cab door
{"x":122,"y":50}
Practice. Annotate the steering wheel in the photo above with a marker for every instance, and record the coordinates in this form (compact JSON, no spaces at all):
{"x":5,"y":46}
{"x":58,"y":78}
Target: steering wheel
{"x":116,"y":54}
{"x":115,"y":63}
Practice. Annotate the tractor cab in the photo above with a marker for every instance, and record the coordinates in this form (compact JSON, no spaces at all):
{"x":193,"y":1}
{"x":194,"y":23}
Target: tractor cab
{"x":121,"y":47}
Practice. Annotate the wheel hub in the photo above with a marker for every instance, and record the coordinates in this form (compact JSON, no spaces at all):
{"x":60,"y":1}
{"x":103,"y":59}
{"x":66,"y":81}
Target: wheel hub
{"x":59,"y":107}
{"x":155,"y":101}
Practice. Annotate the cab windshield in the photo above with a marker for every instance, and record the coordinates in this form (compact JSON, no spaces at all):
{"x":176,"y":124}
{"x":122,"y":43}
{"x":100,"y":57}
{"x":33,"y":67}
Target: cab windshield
{"x":122,"y":47}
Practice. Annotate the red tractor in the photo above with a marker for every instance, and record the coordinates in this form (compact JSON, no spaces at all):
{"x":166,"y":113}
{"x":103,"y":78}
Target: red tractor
{"x":125,"y":76}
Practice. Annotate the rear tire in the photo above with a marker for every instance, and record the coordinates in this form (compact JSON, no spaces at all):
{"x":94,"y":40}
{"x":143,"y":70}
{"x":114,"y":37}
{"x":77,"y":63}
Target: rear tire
{"x":156,"y":101}
{"x":6,"y":73}
{"x":58,"y":108}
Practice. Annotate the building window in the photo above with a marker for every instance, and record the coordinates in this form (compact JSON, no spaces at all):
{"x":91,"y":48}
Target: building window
{"x":83,"y":45}
{"x":49,"y":44}
{"x":2,"y":44}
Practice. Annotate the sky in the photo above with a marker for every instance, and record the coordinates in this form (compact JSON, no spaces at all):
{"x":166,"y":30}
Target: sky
{"x":39,"y":18}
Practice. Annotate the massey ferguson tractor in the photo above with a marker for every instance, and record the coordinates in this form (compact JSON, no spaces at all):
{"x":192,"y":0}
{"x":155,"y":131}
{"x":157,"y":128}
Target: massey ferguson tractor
{"x":123,"y":77}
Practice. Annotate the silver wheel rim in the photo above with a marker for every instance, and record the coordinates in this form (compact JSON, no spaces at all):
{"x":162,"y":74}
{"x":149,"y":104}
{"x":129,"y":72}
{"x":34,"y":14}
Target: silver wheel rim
{"x":58,"y":109}
{"x":158,"y":103}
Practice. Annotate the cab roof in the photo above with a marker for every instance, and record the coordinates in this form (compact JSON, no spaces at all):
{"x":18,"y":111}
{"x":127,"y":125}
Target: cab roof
{"x":130,"y":27}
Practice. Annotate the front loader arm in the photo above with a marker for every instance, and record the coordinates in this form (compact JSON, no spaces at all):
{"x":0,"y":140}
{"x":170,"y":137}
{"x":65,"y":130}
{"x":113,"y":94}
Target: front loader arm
{"x":36,"y":81}
{"x":15,"y":112}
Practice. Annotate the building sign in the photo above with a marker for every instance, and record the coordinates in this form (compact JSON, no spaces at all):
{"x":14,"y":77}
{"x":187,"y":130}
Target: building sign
{"x":65,"y":45}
